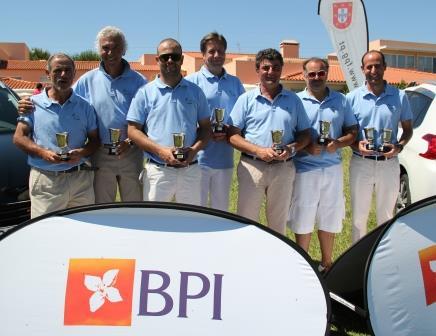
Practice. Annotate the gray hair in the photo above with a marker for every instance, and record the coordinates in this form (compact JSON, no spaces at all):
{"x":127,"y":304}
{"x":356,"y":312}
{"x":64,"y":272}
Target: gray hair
{"x":110,"y":32}
{"x":59,"y":55}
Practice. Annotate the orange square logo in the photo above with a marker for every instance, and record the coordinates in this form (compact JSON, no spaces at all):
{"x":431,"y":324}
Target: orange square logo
{"x":99,"y":292}
{"x":427,"y":258}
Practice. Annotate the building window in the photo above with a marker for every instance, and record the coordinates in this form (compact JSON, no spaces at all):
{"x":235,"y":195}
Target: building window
{"x":391,"y":60}
{"x":425,"y":64}
{"x":410,"y":62}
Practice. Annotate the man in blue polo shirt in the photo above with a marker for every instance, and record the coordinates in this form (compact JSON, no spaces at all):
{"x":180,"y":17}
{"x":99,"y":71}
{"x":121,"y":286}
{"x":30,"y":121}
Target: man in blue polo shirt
{"x":55,"y":182}
{"x":221,"y":90}
{"x":378,"y":107}
{"x":318,"y":188}
{"x":163,"y":114}
{"x":266,"y":170}
{"x":110,"y":89}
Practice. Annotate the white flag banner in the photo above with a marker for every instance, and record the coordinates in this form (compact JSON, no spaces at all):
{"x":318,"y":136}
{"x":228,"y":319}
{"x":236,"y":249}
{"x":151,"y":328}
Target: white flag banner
{"x":348,"y":29}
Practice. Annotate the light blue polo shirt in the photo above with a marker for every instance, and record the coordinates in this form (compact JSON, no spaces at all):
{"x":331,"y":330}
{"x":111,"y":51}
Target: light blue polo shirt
{"x":76,"y":116}
{"x":164,"y":110}
{"x":111,"y":97}
{"x":221,"y":92}
{"x":256,"y":116}
{"x":384,"y":111}
{"x":333,"y":108}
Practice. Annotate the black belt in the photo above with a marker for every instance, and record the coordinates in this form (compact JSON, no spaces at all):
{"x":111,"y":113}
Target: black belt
{"x":81,"y":167}
{"x":373,"y":157}
{"x":252,"y":157}
{"x":171,"y":166}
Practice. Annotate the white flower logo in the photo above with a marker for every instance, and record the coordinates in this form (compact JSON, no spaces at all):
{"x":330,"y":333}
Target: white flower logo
{"x":102,"y":288}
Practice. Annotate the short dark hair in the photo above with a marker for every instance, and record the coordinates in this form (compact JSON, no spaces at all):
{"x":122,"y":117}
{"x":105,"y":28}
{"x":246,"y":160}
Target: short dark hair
{"x":269,"y":54}
{"x":59,"y":55}
{"x":213,"y":36}
{"x":39,"y":85}
{"x":316,"y":59}
{"x":374,"y":52}
{"x":169,"y":39}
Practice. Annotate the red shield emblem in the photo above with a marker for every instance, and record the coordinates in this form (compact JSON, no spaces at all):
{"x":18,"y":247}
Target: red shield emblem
{"x":342,"y":14}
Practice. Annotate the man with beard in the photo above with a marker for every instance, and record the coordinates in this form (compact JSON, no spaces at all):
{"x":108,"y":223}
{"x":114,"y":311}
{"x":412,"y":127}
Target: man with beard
{"x":167,"y":109}
{"x":379,"y":106}
{"x":318,"y":187}
{"x":57,"y":182}
{"x":265,"y":170}
{"x":221,"y":90}
{"x":110,"y":89}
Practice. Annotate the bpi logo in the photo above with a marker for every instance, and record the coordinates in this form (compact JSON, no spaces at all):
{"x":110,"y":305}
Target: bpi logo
{"x":342,"y":14}
{"x":99,"y":292}
{"x":427,"y":258}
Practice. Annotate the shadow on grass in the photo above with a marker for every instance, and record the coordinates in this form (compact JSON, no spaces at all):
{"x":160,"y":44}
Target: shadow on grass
{"x":347,"y":323}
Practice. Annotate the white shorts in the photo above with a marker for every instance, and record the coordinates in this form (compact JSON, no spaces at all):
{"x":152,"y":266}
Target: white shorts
{"x":318,"y":197}
{"x":215,"y":187}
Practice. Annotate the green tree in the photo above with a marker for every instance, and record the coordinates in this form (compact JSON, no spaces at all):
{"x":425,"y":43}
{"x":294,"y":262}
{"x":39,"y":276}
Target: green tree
{"x":36,"y":54}
{"x":87,"y":55}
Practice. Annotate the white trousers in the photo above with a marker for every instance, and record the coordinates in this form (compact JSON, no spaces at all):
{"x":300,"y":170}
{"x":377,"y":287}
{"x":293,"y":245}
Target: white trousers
{"x":215,"y":187}
{"x":166,"y":183}
{"x":367,"y":175}
{"x":318,"y":196}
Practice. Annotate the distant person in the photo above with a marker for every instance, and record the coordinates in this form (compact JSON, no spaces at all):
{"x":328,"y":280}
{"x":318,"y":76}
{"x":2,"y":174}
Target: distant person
{"x":318,"y":187}
{"x":163,"y":113}
{"x":55,"y":182}
{"x":38,"y":89}
{"x":266,"y":170}
{"x":221,"y":90}
{"x":378,"y":107}
{"x":110,"y":89}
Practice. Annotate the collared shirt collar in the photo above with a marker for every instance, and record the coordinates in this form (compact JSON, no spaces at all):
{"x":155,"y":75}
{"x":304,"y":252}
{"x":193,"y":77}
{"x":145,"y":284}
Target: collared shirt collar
{"x":205,"y":71}
{"x":282,"y":92}
{"x":162,"y":85}
{"x":306,"y":95}
{"x":47,"y":101}
{"x":126,"y":68}
{"x":387,"y":92}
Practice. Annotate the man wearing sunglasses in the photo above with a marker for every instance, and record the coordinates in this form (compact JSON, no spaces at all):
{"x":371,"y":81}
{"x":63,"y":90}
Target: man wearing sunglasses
{"x":168,"y":105}
{"x":263,"y":169}
{"x":221,"y":90}
{"x":379,"y":106}
{"x":318,"y":187}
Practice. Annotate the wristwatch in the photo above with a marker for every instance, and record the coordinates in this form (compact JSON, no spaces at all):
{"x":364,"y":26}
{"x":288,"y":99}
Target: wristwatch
{"x":400,"y":147}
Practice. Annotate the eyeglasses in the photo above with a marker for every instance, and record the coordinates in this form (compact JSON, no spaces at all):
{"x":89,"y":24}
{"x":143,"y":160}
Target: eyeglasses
{"x":313,"y":74}
{"x":175,"y":57}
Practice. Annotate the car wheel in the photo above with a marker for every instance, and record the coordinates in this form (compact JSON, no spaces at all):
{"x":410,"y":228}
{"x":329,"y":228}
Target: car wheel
{"x":403,"y":199}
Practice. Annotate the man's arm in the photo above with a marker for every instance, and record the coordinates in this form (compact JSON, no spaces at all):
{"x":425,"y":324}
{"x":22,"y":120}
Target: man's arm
{"x":348,"y":137}
{"x":407,"y":127}
{"x":135,"y":133}
{"x":89,"y":148}
{"x":237,"y":141}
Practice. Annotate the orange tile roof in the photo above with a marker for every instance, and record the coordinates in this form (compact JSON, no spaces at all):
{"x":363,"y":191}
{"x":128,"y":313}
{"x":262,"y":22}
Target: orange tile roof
{"x":198,"y":54}
{"x":392,"y":75}
{"x":18,"y":83}
{"x":80,"y":65}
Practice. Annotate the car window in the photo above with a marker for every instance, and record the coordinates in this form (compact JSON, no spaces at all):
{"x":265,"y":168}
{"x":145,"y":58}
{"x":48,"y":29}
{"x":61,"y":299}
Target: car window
{"x":419,"y":105}
{"x":8,"y":111}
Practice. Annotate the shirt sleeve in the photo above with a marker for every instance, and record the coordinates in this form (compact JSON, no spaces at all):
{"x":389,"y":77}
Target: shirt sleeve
{"x":138,"y":108}
{"x":349,"y":117}
{"x":406,"y":111}
{"x":303,"y":121}
{"x":203,"y":106}
{"x":237,"y":115}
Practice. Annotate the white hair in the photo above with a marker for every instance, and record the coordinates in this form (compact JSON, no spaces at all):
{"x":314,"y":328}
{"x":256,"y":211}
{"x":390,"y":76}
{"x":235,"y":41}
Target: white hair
{"x":110,"y":32}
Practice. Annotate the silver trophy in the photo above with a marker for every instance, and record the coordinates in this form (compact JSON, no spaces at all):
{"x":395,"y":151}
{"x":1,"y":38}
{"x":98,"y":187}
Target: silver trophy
{"x":114,"y":136}
{"x":277,"y":136}
{"x":62,"y":142}
{"x":179,"y":144}
{"x":324,"y":130}
{"x":386,"y":139}
{"x":218,"y":116}
{"x":369,"y":135}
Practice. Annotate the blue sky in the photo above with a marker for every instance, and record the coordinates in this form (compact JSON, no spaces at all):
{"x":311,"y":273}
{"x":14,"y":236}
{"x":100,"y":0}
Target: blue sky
{"x":248,"y":25}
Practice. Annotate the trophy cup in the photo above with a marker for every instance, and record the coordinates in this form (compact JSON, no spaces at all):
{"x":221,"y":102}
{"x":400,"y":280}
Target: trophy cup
{"x":277,"y":136}
{"x":386,"y":138}
{"x":369,"y":135}
{"x":114,"y":136}
{"x":324,"y":129}
{"x":179,"y":143}
{"x":62,"y":142}
{"x":218,"y":115}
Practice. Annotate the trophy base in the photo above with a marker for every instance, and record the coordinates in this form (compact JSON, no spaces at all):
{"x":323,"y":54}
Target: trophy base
{"x":323,"y":141}
{"x":278,"y":149}
{"x":370,"y":147}
{"x":383,"y":149}
{"x":113,"y":151}
{"x":219,"y":129}
{"x":180,"y":156}
{"x":64,"y":156}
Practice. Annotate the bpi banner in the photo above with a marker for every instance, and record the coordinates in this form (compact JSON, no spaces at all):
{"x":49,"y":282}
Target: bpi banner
{"x":398,"y":284}
{"x":348,"y":29}
{"x":156,"y":269}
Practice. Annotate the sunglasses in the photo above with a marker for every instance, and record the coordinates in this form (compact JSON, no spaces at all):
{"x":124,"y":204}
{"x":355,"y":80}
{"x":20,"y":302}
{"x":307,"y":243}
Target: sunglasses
{"x":313,"y":74}
{"x":175,"y":57}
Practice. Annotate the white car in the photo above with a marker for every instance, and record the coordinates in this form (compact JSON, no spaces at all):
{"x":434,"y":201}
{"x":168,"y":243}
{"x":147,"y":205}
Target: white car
{"x":418,"y":159}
